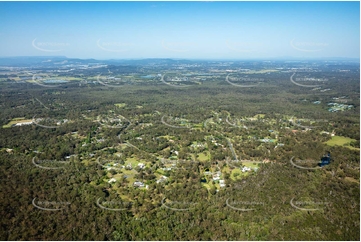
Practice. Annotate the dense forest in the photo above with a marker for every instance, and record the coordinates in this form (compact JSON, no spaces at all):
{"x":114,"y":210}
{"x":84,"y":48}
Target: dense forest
{"x":55,"y":174}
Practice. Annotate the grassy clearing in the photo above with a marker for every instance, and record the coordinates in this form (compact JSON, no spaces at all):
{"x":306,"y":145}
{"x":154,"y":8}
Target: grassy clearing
{"x":250,"y":164}
{"x":167,"y":137}
{"x":226,"y":169}
{"x":134,"y":161}
{"x":203,"y":157}
{"x":235,"y":171}
{"x":120,"y":105}
{"x":124,"y":197}
{"x":160,"y":172}
{"x":16,"y":121}
{"x":341,"y":141}
{"x":118,"y":176}
{"x":200,"y":125}
{"x":241,"y":174}
{"x":206,"y":185}
{"x":130,"y":173}
{"x":350,"y":179}
{"x":259,"y":116}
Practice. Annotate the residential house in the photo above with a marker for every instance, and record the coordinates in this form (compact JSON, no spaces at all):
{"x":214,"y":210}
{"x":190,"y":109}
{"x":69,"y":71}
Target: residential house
{"x":244,"y":169}
{"x":162,"y":179}
{"x":138,"y":184}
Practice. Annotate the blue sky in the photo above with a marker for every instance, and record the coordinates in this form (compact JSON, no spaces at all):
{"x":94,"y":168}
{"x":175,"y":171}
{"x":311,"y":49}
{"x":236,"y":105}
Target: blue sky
{"x":201,"y":30}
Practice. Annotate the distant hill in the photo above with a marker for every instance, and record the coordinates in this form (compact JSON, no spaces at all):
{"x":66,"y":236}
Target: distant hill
{"x":49,"y":61}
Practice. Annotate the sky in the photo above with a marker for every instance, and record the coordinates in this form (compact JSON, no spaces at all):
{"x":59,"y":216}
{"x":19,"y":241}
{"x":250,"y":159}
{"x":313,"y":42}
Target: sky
{"x":193,"y":30}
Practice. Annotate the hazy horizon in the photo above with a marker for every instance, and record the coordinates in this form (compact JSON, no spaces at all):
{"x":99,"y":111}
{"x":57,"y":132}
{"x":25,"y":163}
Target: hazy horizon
{"x":281,"y":58}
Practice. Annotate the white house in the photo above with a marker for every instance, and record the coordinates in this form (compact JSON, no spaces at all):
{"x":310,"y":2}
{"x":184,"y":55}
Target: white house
{"x":138,"y":184}
{"x":244,"y":169}
{"x":9,"y":150}
{"x":216,"y":177}
{"x":163,"y":178}
{"x":23,"y":123}
{"x":112,"y":180}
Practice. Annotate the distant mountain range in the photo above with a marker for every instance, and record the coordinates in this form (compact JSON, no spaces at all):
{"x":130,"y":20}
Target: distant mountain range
{"x":21,"y":61}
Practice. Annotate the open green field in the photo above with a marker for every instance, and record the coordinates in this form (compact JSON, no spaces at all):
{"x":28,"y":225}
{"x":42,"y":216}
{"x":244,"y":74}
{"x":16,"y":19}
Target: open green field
{"x":203,"y":157}
{"x":341,"y":141}
{"x":167,"y":137}
{"x":226,"y":169}
{"x":16,"y":121}
{"x":237,"y":171}
{"x":259,"y":116}
{"x":250,"y":164}
{"x":130,"y":173}
{"x":118,"y":176}
{"x":159,"y":172}
{"x":210,"y":185}
{"x":134,"y":161}
{"x":206,"y":185}
{"x":120,"y":105}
